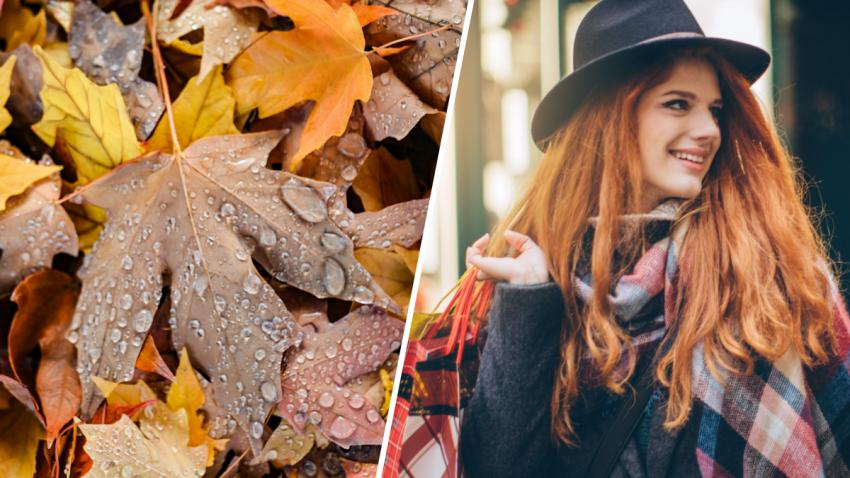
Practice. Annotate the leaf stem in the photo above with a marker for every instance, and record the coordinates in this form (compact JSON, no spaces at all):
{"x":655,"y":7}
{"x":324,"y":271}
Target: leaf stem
{"x":376,"y":50}
{"x":236,"y":462}
{"x":160,"y":69}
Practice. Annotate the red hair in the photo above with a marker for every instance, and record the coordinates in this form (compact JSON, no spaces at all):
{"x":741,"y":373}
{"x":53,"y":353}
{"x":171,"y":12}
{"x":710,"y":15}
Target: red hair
{"x":754,"y":284}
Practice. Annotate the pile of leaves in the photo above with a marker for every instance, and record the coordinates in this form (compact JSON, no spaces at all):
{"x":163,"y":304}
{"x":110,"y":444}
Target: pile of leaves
{"x":210,"y":216}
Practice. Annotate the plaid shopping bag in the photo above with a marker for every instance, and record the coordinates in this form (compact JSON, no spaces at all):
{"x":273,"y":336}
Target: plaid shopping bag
{"x":438,"y":378}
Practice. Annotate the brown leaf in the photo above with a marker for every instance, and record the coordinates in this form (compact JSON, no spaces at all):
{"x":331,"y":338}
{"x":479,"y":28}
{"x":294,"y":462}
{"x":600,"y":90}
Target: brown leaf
{"x":306,"y":308}
{"x":22,"y":395}
{"x":316,"y":372}
{"x":33,"y":229}
{"x":428,"y":67}
{"x":24,"y":103}
{"x":433,"y":126}
{"x":355,"y":469}
{"x":111,"y":53}
{"x":203,"y":235}
{"x":339,"y":160}
{"x":293,"y":119}
{"x":150,"y":361}
{"x":385,"y":180}
{"x":46,"y":303}
{"x":393,"y":109}
{"x":400,"y":224}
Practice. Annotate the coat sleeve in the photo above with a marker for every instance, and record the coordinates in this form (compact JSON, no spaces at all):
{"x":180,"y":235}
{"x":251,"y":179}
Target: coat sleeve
{"x":506,"y":429}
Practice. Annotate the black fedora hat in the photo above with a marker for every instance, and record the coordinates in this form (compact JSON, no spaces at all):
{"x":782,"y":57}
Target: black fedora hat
{"x":617,"y":34}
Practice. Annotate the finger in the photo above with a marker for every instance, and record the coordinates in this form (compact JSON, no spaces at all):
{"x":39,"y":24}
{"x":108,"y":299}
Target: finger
{"x":518,"y":241}
{"x":494,"y":268}
{"x":482,"y":242}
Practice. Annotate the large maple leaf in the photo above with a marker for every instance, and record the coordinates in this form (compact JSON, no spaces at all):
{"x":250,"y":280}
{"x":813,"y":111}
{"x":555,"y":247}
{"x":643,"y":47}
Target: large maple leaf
{"x":195,"y":220}
{"x":316,"y":373}
{"x":322,"y":59}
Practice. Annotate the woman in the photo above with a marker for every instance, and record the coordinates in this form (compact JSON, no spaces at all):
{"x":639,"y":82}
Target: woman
{"x":664,"y":230}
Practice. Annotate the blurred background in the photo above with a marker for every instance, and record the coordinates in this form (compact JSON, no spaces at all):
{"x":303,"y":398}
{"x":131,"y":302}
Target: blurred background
{"x":518,"y":49}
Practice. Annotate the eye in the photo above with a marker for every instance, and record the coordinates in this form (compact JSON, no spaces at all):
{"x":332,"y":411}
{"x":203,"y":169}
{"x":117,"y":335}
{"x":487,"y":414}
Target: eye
{"x":680,"y":105}
{"x":716,"y":111}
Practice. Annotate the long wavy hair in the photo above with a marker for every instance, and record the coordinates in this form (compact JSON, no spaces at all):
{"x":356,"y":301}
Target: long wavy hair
{"x":755,"y":284}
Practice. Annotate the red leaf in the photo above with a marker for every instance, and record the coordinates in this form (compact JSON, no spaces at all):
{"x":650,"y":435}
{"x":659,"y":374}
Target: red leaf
{"x":46,"y":302}
{"x":150,"y":361}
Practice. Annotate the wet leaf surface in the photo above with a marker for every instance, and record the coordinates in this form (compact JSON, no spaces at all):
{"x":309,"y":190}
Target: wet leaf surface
{"x":227,"y":30}
{"x":400,"y":224}
{"x":316,"y":372}
{"x":33,"y":229}
{"x":111,"y":53}
{"x":24,"y":102}
{"x":393,"y":109}
{"x":196,"y":220}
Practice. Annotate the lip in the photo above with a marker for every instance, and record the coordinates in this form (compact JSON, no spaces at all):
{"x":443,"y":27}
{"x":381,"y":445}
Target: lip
{"x":691,"y":151}
{"x":689,"y":164}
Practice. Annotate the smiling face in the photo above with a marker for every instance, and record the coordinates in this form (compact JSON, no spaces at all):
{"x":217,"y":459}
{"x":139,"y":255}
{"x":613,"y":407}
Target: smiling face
{"x":678,"y":132}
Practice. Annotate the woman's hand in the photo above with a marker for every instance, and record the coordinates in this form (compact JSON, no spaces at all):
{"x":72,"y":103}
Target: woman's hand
{"x":527,"y":268}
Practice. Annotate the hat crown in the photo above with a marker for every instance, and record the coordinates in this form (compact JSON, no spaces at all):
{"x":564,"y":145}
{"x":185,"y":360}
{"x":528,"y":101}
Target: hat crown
{"x":612,"y":25}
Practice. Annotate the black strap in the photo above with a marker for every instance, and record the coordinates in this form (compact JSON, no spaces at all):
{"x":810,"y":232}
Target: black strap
{"x":618,"y":433}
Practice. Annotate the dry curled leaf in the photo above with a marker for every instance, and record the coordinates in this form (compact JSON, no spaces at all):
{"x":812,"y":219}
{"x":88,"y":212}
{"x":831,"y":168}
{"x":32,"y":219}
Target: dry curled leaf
{"x":401,"y":224}
{"x":150,"y":361}
{"x":316,"y":372}
{"x":199,"y":218}
{"x":33,"y":229}
{"x":227,"y":30}
{"x":157,"y":448}
{"x":46,"y":302}
{"x":393,"y":109}
{"x":322,"y":59}
{"x":111,"y":53}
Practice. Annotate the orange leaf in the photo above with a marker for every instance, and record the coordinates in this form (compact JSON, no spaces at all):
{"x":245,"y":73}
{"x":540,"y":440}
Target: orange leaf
{"x":111,"y":413}
{"x":150,"y":361}
{"x":367,"y":14}
{"x":46,"y":302}
{"x":322,"y":59}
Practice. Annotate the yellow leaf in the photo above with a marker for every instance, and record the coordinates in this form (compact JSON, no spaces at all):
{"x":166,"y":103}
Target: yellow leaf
{"x":411,"y":257}
{"x":388,"y":391}
{"x":124,"y":393}
{"x":195,"y":49}
{"x":285,"y":446}
{"x":16,"y":176}
{"x":88,"y":221}
{"x":202,"y":110}
{"x":384,"y":180}
{"x":390,"y":272}
{"x":227,"y":30}
{"x":20,"y":433}
{"x":5,"y":91}
{"x":93,"y":120}
{"x":322,"y":59}
{"x":160,"y":446}
{"x":18,"y":25}
{"x":58,"y":50}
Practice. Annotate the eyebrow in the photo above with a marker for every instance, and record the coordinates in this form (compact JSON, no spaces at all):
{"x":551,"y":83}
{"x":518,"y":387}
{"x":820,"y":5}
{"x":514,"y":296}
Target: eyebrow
{"x":690,"y":96}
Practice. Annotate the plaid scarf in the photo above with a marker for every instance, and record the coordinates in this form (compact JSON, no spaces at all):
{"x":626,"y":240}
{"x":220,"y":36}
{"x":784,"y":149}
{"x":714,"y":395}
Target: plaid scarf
{"x":783,"y":420}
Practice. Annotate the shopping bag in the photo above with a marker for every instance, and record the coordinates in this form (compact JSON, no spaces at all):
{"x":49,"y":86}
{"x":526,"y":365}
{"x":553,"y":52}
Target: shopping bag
{"x":438,"y":379}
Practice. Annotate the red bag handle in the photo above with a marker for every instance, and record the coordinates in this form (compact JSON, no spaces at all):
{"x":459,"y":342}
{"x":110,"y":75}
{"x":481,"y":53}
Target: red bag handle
{"x":460,"y":308}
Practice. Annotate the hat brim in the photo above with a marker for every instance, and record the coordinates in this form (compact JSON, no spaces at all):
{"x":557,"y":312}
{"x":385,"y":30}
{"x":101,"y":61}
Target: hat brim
{"x":564,"y":99}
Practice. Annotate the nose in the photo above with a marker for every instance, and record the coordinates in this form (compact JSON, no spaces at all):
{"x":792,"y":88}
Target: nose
{"x":704,"y":127}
